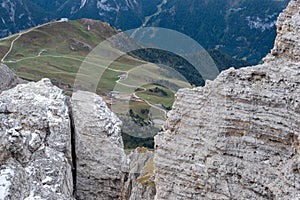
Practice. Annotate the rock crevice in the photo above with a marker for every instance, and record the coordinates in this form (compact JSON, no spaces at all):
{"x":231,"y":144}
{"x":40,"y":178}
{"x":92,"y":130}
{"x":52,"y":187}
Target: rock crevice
{"x":73,"y":150}
{"x":236,"y":138}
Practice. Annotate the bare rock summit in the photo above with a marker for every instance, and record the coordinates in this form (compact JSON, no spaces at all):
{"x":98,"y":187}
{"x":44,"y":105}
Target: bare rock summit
{"x":35,"y":145}
{"x":237,"y":137}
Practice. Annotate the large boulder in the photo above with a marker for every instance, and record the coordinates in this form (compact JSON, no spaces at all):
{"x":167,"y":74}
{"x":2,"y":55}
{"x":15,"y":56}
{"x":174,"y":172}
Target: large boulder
{"x":8,"y":79}
{"x":35,"y":143}
{"x":101,"y":160}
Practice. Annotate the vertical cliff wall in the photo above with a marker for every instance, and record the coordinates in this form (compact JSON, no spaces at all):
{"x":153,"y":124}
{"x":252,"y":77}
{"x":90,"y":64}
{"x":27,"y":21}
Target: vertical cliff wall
{"x":237,"y":137}
{"x":100,"y":156}
{"x":287,"y":42}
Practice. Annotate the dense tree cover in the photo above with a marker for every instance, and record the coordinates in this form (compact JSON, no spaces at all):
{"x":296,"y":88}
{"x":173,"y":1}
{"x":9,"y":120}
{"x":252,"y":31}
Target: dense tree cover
{"x":131,"y":142}
{"x":157,"y":56}
{"x":172,"y":60}
{"x":227,"y":25}
{"x":243,"y":29}
{"x":224,"y":61}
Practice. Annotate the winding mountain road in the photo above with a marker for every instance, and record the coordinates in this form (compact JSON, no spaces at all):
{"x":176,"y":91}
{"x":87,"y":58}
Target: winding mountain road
{"x":82,"y":59}
{"x":18,"y":36}
{"x":135,"y":93}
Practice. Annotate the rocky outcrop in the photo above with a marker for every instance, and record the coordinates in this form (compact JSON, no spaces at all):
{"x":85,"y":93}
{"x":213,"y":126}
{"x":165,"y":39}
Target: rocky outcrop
{"x":35,"y":145}
{"x":101,"y":161}
{"x":287,"y":43}
{"x":237,"y":137}
{"x":140,"y":177}
{"x":8,"y":79}
{"x":36,"y":156}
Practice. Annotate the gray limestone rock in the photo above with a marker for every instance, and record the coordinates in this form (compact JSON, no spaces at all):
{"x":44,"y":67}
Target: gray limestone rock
{"x":8,"y":79}
{"x":101,"y":160}
{"x":140,"y":178}
{"x":237,"y":137}
{"x":287,"y":42}
{"x":35,"y":145}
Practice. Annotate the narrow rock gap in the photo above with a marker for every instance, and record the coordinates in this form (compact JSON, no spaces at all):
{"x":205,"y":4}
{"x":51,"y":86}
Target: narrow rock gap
{"x":73,"y":151}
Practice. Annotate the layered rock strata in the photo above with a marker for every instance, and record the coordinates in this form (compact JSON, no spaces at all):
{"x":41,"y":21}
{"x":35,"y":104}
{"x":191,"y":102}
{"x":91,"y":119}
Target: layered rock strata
{"x":237,"y":137}
{"x":287,"y":42}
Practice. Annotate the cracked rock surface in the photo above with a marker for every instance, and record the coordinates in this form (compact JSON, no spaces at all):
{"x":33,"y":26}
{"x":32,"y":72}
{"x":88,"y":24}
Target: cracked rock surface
{"x":101,"y":160}
{"x":237,"y":137}
{"x":140,"y":178}
{"x":35,"y":145}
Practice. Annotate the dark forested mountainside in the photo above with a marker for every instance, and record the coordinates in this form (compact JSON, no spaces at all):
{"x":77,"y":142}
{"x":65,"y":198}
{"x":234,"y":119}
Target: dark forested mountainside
{"x":240,"y":28}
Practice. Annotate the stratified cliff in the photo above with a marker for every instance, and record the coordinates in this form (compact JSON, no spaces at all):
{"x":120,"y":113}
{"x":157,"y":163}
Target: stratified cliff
{"x":238,"y":137}
{"x":287,"y":42}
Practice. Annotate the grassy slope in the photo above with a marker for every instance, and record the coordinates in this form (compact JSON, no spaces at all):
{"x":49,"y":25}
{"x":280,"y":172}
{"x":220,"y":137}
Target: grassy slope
{"x":46,"y":52}
{"x":157,"y":97}
{"x":66,"y":45}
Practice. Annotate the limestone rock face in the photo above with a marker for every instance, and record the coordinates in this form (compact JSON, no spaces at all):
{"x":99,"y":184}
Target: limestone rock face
{"x":140,"y":179}
{"x":8,"y":79}
{"x":287,"y":42}
{"x":35,"y":148}
{"x":101,"y":161}
{"x":237,"y":137}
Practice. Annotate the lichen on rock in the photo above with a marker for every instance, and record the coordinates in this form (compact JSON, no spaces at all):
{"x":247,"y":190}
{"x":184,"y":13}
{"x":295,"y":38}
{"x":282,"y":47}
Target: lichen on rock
{"x":140,"y":177}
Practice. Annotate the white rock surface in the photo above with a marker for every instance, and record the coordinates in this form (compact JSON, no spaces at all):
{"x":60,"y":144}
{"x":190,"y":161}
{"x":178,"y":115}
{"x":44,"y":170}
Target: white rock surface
{"x":101,"y":160}
{"x":35,"y":148}
{"x":237,"y":137}
{"x":287,"y":43}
